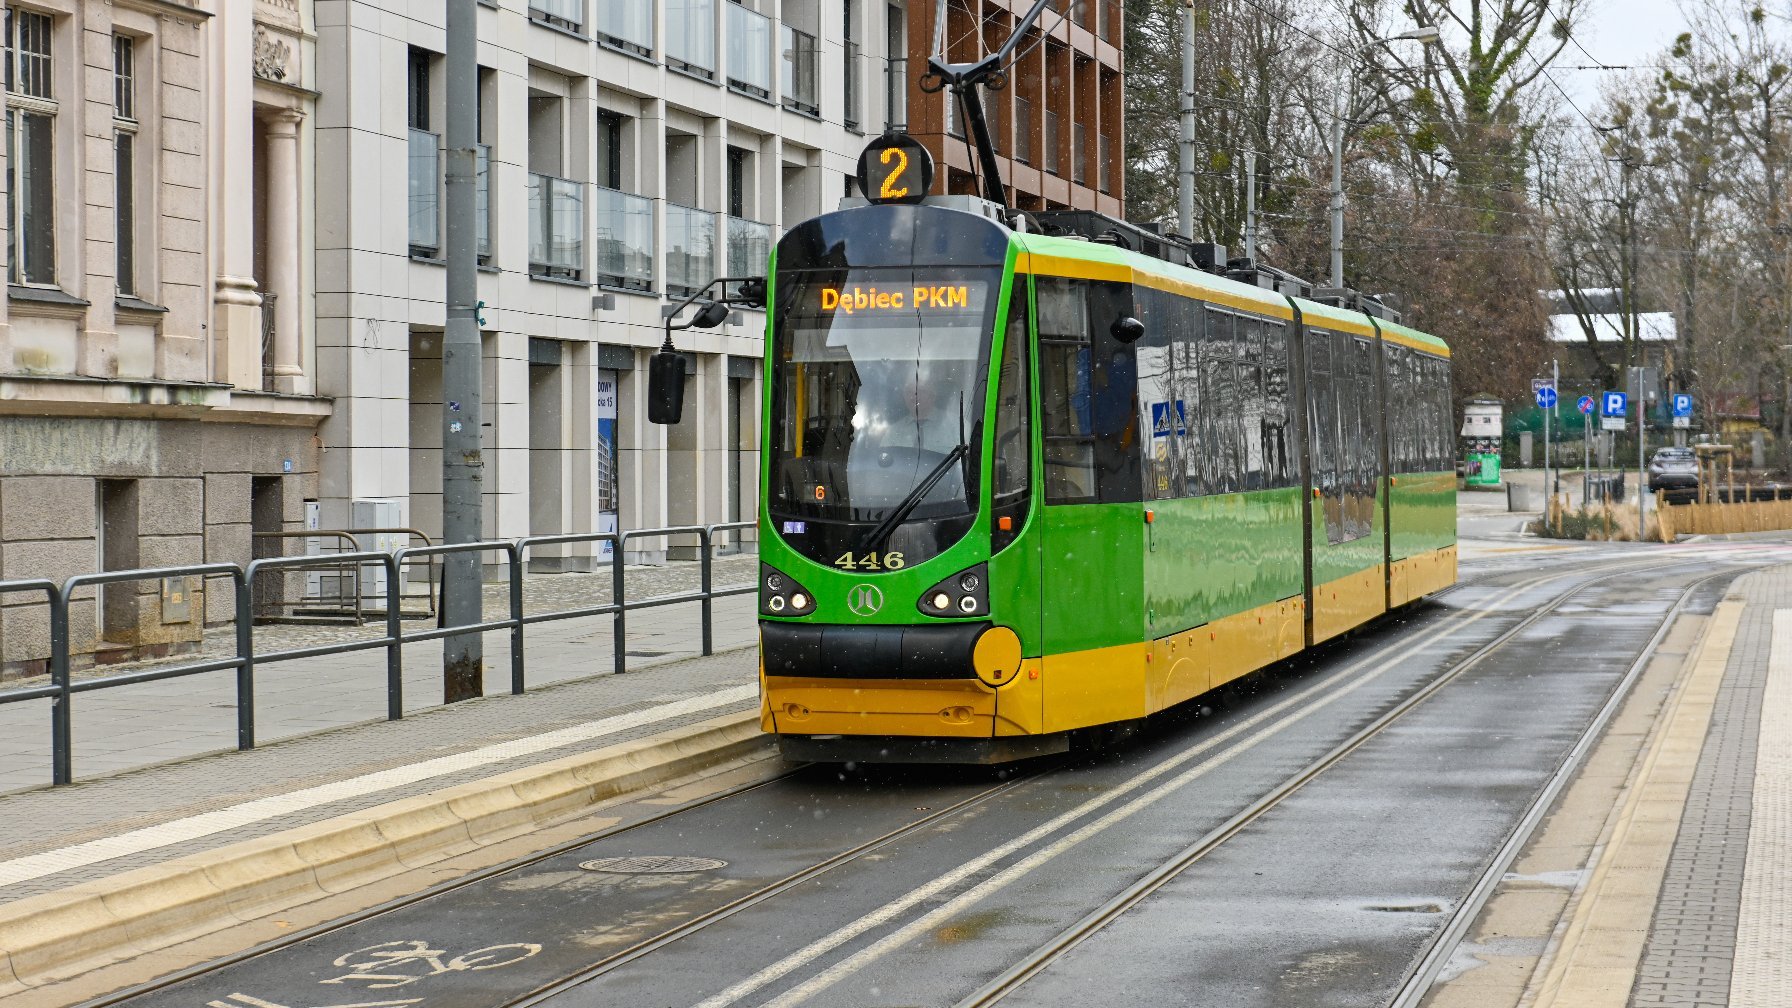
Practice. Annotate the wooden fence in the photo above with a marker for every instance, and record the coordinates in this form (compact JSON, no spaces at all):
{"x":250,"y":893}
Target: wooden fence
{"x":1721,"y":517}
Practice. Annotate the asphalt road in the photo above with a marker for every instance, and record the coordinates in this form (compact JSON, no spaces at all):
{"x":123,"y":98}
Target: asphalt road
{"x":902,"y":887}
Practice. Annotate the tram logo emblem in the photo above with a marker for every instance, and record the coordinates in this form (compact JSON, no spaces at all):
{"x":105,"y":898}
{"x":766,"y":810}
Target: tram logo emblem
{"x":864,"y":600}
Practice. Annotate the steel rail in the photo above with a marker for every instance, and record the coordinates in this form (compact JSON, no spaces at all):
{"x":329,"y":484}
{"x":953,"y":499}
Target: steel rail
{"x":1422,"y":976}
{"x":528,"y":860}
{"x":1095,"y":920}
{"x":671,"y":935}
{"x":761,"y":895}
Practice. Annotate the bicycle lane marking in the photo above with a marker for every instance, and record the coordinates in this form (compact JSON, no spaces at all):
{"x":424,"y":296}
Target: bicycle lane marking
{"x":34,"y":866}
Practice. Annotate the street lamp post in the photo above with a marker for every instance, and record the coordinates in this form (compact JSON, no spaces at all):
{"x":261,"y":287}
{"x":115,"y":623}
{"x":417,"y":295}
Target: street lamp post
{"x":1425,"y":35}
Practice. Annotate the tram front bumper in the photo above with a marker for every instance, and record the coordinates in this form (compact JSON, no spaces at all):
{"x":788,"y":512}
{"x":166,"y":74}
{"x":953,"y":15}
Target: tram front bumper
{"x":895,"y":682}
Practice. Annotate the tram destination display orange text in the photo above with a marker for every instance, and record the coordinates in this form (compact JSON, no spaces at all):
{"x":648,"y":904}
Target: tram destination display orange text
{"x":921,"y":297}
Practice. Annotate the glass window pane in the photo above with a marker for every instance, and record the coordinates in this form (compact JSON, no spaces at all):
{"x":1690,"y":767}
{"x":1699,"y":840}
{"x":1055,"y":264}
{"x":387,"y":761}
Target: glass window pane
{"x":425,"y":173}
{"x":623,"y":256}
{"x":749,"y":51}
{"x":1013,"y":443}
{"x":125,"y":204}
{"x":691,"y":35}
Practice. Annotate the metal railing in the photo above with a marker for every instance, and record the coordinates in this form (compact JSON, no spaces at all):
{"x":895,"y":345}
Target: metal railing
{"x":62,"y":687}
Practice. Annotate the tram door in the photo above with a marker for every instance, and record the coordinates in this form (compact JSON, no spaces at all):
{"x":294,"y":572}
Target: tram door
{"x":1092,"y":533}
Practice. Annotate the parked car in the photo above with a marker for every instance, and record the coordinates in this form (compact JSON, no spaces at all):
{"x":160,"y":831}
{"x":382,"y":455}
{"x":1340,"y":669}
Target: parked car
{"x":1673,"y":469}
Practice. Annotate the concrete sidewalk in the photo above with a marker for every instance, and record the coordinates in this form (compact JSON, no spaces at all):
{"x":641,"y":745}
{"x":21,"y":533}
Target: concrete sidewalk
{"x":107,"y":869}
{"x":133,"y":726}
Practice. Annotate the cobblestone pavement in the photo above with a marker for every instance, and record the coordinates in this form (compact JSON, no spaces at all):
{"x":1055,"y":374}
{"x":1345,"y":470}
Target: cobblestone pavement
{"x":131,"y":726}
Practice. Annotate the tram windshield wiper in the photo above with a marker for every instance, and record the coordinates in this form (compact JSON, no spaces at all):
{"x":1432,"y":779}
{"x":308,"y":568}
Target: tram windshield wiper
{"x":900,"y":512}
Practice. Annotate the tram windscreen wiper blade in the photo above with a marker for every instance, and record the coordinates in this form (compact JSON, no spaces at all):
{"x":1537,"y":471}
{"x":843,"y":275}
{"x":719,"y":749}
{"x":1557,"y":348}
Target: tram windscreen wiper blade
{"x":900,"y":512}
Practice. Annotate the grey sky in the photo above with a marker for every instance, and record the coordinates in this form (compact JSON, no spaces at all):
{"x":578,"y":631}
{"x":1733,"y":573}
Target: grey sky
{"x":1619,"y":33}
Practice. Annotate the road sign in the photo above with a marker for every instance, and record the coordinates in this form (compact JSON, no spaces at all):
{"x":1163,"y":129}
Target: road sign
{"x":1682,"y":406}
{"x":1612,"y":423}
{"x":1546,"y":397}
{"x":1616,"y":404}
{"x":1683,"y":421}
{"x":1586,"y":405}
{"x":1538,"y":384}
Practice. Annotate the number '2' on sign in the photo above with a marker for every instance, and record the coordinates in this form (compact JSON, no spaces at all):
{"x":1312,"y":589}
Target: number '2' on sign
{"x":895,"y":168}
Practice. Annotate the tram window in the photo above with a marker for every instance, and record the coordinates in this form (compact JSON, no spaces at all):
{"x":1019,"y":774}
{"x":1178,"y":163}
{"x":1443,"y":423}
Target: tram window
{"x":1065,"y":409}
{"x":1275,"y":404}
{"x":1196,"y":440}
{"x":1013,"y":445}
{"x":1159,"y":408}
{"x":1250,"y":425}
{"x":1322,"y":416}
{"x":1250,"y":340}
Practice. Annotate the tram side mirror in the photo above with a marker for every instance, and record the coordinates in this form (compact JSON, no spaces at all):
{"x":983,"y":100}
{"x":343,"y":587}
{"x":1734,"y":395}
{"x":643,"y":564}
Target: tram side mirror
{"x":1127,"y":329}
{"x":665,"y":388}
{"x":711,"y":315}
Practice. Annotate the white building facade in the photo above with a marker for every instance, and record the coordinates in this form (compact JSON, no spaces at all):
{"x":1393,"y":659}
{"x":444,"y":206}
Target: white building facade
{"x":631,"y":151}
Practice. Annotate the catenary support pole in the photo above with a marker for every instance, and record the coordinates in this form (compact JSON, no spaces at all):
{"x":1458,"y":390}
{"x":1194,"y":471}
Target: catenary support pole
{"x":1642,"y":437}
{"x":1250,"y":205}
{"x":1185,"y":188}
{"x":1338,"y":195}
{"x":462,"y":462}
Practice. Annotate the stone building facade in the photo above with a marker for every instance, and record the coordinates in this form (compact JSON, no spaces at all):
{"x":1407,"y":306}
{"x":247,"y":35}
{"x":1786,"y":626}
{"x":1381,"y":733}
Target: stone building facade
{"x":158,"y":399}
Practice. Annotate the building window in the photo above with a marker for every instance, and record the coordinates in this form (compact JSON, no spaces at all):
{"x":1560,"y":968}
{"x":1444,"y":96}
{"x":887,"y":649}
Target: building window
{"x":568,"y":14}
{"x":691,"y":37}
{"x":30,"y":149}
{"x":800,"y":91}
{"x":851,"y":56}
{"x":739,"y":174}
{"x":609,"y":149}
{"x":626,"y":25}
{"x":425,"y":160}
{"x":749,"y":52}
{"x":124,"y":166}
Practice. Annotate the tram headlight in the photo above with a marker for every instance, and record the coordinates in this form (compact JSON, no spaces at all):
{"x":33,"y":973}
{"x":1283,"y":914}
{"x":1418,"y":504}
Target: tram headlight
{"x":965,"y":593}
{"x":780,"y":595}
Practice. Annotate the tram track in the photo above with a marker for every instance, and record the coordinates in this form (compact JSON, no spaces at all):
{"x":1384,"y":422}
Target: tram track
{"x":1387,"y":654}
{"x":1419,"y":981}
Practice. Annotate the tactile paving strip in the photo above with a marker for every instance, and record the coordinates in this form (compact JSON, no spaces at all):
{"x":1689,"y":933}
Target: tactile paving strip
{"x":1762,"y":976}
{"x":1692,"y":944}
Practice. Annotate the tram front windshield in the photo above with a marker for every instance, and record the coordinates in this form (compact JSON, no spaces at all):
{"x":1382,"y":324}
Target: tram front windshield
{"x":877,"y":390}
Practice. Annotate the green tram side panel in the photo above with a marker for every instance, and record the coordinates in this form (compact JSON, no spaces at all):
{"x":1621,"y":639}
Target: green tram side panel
{"x":1424,"y":504}
{"x":1424,"y":513}
{"x":1211,"y":557}
{"x":1092,"y":577}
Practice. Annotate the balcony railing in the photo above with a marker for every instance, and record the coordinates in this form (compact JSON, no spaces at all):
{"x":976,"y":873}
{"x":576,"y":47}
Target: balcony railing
{"x":800,"y":91}
{"x":749,"y":247}
{"x":556,"y":227}
{"x":425,"y":186}
{"x":626,"y":25}
{"x":622,"y":254}
{"x":1051,"y":141}
{"x":1079,"y":155}
{"x":690,"y":249}
{"x":691,"y":37}
{"x":895,"y":95}
{"x":851,"y":114}
{"x":482,"y":201}
{"x":569,"y":14}
{"x":749,"y":51}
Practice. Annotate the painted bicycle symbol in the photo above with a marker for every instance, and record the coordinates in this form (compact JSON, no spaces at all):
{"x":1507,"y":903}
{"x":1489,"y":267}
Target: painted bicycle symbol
{"x":396,"y":963}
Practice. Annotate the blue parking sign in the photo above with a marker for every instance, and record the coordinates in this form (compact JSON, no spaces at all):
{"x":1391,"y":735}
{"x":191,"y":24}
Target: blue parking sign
{"x":1616,"y":404}
{"x":1682,"y":404}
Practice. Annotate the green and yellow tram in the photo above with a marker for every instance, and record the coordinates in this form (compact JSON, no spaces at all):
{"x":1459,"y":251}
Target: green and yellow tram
{"x":1015,"y":486}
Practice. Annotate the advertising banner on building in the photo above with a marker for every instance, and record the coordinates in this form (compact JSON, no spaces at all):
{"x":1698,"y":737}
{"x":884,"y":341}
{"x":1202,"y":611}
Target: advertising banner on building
{"x":604,"y":457}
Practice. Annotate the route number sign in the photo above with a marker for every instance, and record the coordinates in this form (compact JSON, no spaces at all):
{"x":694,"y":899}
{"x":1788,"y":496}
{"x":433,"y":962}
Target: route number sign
{"x":895,"y":168}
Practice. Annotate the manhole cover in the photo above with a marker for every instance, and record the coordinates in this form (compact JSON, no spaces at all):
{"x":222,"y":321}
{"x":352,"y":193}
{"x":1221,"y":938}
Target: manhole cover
{"x":652,"y":865}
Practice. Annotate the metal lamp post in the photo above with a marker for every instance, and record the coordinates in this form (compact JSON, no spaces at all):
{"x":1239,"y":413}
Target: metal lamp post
{"x":1425,"y":35}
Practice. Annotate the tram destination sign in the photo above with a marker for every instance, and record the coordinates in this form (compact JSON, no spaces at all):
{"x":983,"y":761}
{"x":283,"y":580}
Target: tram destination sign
{"x":911,"y":299}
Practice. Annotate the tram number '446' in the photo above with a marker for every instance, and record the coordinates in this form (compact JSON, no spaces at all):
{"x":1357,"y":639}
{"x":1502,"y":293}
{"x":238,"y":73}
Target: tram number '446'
{"x":871,"y":561}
